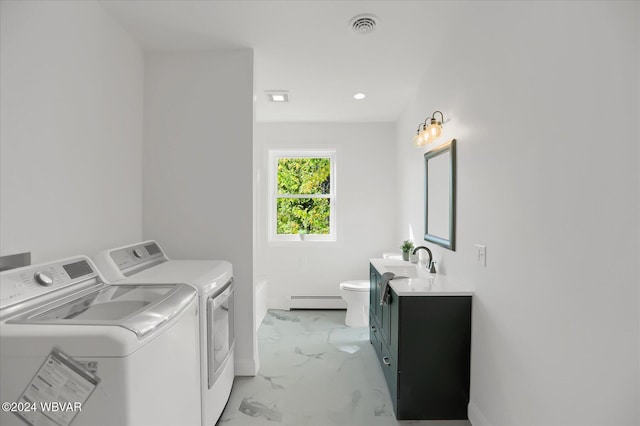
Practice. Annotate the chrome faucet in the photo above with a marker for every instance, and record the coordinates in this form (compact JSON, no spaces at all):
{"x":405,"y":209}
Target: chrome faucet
{"x":431,"y":265}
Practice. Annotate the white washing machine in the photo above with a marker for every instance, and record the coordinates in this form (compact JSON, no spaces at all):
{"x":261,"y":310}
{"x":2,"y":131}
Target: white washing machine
{"x":76,"y":350}
{"x":146,"y":262}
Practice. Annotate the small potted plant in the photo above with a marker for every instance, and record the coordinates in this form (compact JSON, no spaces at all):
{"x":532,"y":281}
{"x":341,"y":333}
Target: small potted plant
{"x":406,"y":247}
{"x":302,"y":232}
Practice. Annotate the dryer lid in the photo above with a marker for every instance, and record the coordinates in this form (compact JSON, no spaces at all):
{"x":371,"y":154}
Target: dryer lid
{"x":206,"y":276}
{"x":146,"y":262}
{"x":138,"y":308}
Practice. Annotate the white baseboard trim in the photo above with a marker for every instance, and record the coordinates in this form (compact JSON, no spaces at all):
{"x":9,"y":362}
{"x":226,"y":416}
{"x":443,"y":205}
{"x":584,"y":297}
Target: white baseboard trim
{"x":246,"y":367}
{"x":279,"y":302}
{"x":317,"y":302}
{"x":261,"y":300}
{"x":476,"y":417}
{"x":286,"y":303}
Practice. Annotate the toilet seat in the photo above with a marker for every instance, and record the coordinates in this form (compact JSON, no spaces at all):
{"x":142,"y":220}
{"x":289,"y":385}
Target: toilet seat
{"x":355,"y":285}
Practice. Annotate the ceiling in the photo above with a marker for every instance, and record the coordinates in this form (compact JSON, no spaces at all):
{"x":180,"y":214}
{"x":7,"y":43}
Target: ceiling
{"x":306,"y":48}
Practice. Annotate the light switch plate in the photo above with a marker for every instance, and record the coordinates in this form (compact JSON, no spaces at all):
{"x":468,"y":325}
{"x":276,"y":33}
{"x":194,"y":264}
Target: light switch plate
{"x":481,"y":254}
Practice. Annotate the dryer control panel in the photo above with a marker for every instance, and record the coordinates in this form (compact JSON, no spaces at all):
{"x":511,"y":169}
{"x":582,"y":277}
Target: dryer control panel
{"x":133,"y":259}
{"x":22,"y":284}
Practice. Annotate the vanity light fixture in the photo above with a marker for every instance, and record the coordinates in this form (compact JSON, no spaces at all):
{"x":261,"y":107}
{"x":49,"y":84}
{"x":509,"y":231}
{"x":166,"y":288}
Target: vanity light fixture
{"x":427,"y":133}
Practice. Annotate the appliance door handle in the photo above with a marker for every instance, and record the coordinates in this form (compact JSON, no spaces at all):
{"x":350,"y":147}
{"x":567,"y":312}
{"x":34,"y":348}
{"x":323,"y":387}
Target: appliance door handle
{"x":214,"y":303}
{"x":222,"y":297}
{"x":210,"y":329}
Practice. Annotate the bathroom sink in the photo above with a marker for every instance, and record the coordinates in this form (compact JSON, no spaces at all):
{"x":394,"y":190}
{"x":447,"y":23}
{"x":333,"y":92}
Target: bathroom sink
{"x":391,"y":255}
{"x":407,"y":271}
{"x":400,"y":268}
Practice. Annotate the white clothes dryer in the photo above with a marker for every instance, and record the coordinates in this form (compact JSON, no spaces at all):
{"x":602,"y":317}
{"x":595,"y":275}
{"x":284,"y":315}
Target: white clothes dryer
{"x":147,"y":262}
{"x":74,"y":349}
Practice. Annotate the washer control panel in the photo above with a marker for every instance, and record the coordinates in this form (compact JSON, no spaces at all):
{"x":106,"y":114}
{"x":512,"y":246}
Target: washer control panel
{"x":43,"y":278}
{"x":19,"y":285}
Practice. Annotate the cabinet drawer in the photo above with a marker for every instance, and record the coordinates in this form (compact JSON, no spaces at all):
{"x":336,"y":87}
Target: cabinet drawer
{"x":390,"y":371}
{"x":374,"y":336}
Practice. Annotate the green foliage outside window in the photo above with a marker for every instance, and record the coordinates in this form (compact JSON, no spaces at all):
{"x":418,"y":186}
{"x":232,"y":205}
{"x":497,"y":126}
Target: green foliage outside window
{"x":303,"y":176}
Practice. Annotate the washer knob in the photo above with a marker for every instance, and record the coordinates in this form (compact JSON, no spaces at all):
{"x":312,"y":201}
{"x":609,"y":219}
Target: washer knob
{"x":43,"y":279}
{"x":137,"y":253}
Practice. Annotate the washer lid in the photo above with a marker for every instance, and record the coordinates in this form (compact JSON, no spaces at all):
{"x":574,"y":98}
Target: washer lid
{"x":138,"y":308}
{"x":356,"y":285}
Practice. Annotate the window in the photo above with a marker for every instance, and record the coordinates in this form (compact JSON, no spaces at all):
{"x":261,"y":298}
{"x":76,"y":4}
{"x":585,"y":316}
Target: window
{"x":302,"y":189}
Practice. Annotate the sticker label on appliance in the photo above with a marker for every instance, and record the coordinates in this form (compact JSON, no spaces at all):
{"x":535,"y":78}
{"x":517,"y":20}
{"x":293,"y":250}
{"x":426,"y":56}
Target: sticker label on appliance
{"x":91,"y":366}
{"x":57,"y":392}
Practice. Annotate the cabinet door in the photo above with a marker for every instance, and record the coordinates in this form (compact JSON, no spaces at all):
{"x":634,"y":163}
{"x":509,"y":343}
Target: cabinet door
{"x":374,"y":293}
{"x":380,"y":313}
{"x":394,"y":326}
{"x":385,"y":320}
{"x":434,"y":347}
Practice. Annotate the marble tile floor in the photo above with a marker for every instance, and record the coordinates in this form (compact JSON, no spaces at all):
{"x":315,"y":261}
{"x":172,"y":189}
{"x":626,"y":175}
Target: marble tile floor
{"x":314,"y":371}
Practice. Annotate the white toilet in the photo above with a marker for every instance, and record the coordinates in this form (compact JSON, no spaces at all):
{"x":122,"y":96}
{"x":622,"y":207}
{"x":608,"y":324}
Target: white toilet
{"x":356,"y":294}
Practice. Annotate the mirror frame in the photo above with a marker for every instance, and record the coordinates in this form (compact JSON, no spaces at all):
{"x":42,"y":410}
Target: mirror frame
{"x":442,"y":149}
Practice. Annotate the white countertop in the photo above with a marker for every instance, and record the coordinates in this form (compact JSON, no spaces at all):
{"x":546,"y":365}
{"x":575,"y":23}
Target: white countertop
{"x":420,"y":282}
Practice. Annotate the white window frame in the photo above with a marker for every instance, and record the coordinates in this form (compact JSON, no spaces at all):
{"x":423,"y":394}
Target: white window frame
{"x":274,"y":156}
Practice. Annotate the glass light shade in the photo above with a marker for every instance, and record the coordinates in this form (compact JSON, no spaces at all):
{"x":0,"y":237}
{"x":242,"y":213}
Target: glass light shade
{"x":420,"y":139}
{"x":434,"y":130}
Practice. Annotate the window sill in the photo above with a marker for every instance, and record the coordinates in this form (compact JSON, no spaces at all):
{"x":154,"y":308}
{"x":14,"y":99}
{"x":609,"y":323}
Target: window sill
{"x":303,"y":243}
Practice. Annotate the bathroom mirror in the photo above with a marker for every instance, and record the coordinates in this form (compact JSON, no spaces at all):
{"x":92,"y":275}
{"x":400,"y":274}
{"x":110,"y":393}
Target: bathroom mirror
{"x":440,"y":195}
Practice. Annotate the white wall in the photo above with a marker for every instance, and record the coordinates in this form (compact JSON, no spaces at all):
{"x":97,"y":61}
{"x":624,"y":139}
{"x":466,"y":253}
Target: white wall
{"x":543,"y":99}
{"x":366,"y":208}
{"x":638,"y":121}
{"x":71,"y":135}
{"x":198,"y":166}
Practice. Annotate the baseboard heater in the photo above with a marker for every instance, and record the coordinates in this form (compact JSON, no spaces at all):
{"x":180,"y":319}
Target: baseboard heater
{"x":317,"y":302}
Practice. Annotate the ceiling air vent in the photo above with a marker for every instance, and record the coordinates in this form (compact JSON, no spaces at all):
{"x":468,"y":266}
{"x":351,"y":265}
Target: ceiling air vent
{"x":363,"y":24}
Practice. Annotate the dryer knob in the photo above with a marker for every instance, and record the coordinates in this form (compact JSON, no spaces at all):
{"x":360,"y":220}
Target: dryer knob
{"x":43,"y":278}
{"x":137,"y":253}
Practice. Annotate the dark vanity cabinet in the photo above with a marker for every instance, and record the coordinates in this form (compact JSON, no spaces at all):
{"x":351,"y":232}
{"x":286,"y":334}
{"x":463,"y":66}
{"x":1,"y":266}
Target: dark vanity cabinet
{"x":423,"y":344}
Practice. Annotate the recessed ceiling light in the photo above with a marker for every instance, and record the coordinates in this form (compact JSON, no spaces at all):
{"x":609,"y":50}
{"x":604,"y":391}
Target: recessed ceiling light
{"x":359,"y":96}
{"x":278,"y":96}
